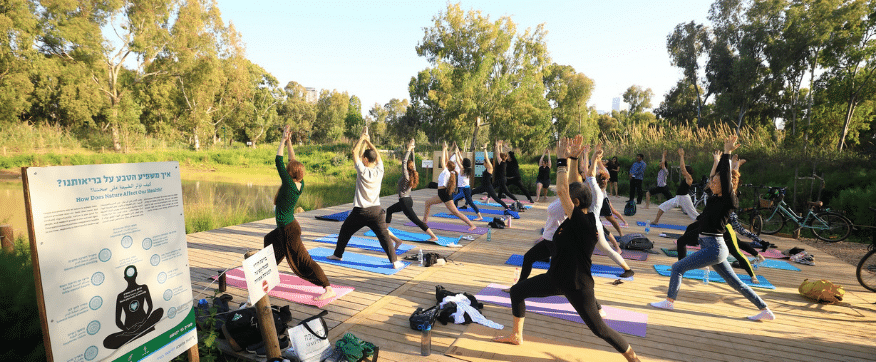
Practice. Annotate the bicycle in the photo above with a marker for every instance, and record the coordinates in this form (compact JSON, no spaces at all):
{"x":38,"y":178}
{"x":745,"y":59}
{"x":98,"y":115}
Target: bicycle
{"x":699,"y":202}
{"x":866,"y":271}
{"x":825,"y":225}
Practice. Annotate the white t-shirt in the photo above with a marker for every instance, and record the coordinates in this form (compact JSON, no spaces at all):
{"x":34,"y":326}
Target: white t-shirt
{"x":443,"y":177}
{"x":461,"y":180}
{"x":556,"y":216}
{"x":368,"y":181}
{"x":596,"y":206}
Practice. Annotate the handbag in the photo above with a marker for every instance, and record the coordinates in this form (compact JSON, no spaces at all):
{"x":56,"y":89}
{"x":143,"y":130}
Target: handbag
{"x":309,"y":340}
{"x":423,"y":319}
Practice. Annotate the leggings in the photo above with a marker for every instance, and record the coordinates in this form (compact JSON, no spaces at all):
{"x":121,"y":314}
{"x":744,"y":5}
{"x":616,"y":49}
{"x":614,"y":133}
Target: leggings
{"x":583,"y":300}
{"x":515,"y":181}
{"x":287,"y":244}
{"x":734,"y":220}
{"x":502,"y":185}
{"x":375,"y":219}
{"x":487,"y":186}
{"x":713,"y":253}
{"x":540,"y":251}
{"x":465,"y":192}
{"x":405,"y":205}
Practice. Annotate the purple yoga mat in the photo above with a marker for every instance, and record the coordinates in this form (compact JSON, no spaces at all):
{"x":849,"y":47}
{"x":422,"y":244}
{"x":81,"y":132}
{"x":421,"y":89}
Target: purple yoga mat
{"x":451,"y":227}
{"x":623,"y":321}
{"x":627,"y":254}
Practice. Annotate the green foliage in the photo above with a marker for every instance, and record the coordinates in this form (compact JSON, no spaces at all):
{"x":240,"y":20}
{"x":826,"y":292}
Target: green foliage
{"x":21,"y":332}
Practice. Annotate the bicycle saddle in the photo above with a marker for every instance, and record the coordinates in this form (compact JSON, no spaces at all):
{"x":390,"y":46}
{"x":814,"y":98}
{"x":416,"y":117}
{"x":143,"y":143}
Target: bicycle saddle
{"x":816,"y":204}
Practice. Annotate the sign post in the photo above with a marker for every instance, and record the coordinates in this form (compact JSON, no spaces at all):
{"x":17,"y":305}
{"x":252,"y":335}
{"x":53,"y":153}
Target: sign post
{"x":260,"y":269}
{"x":110,"y":261}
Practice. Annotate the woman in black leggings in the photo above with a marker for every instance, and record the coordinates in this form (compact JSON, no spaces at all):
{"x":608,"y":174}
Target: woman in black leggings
{"x":569,"y":273}
{"x":410,"y":179}
{"x":513,"y":175}
{"x":502,"y":171}
{"x":487,"y":180}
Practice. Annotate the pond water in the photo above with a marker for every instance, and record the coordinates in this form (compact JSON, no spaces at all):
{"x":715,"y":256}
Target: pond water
{"x":219,"y":198}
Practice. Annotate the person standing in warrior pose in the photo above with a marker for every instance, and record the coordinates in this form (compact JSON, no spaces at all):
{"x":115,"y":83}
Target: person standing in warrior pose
{"x":286,"y":238}
{"x":661,"y":188}
{"x":569,"y":273}
{"x":502,"y":171}
{"x":513,"y":174}
{"x":463,"y":181}
{"x":543,"y":181}
{"x":682,"y":194}
{"x":366,"y":202}
{"x":487,"y":180}
{"x":446,"y":188}
{"x":410,"y":179}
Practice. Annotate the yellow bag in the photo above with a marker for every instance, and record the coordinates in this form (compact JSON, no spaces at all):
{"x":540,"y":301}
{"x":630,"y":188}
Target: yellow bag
{"x":822,"y":291}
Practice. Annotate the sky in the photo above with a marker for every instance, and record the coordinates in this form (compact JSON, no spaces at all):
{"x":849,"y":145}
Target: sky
{"x":367,"y":48}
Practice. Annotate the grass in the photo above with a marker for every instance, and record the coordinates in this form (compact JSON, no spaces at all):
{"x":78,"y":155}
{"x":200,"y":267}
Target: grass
{"x":21,"y":332}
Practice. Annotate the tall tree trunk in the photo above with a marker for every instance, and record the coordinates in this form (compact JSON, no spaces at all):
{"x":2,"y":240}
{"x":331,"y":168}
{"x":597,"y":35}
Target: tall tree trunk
{"x":809,"y":102}
{"x":742,"y":111}
{"x":850,"y":112}
{"x":699,"y":103}
{"x":197,"y":141}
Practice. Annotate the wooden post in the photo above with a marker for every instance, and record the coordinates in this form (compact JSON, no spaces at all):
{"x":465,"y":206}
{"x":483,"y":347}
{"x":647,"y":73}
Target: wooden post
{"x":266,"y":322}
{"x":7,"y":239}
{"x":222,"y":282}
{"x":193,"y":355}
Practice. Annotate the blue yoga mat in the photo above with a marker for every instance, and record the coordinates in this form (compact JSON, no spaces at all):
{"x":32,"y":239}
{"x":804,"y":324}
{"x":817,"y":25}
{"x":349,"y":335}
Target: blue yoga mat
{"x":596,"y":270}
{"x":665,"y":270}
{"x":341,"y":216}
{"x":356,"y":261}
{"x":494,"y":212}
{"x":493,"y":204}
{"x":422,"y":237}
{"x":363,"y":243}
{"x":770,"y":263}
{"x":451,"y":216}
{"x":664,"y":226}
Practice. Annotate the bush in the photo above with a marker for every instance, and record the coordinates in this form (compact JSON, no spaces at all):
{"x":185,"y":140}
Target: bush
{"x":21,"y":332}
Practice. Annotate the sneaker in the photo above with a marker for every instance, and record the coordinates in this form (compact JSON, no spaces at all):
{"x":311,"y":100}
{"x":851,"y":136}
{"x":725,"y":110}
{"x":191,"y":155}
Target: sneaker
{"x":664,"y":304}
{"x":627,"y":273}
{"x":398,"y":265}
{"x":262,"y":351}
{"x":764,"y":315}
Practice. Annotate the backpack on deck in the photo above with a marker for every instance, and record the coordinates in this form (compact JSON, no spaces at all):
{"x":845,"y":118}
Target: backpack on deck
{"x":822,"y":291}
{"x":635,"y":241}
{"x":630,"y":208}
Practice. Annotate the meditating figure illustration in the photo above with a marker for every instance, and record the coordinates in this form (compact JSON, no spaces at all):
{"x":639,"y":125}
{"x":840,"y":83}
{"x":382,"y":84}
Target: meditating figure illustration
{"x":136,"y":314}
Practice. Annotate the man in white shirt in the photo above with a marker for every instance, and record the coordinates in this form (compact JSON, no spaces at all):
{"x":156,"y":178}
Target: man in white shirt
{"x":366,"y":203}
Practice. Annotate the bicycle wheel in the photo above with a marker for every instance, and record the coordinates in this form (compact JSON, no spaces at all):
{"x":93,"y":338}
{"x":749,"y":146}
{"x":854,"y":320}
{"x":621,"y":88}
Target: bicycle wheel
{"x":756,"y":224}
{"x":700,"y":205}
{"x":771,"y":222}
{"x":830,"y":227}
{"x":867,"y":271}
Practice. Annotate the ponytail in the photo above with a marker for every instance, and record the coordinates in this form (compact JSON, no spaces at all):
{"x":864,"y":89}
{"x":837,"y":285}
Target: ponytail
{"x":451,"y":183}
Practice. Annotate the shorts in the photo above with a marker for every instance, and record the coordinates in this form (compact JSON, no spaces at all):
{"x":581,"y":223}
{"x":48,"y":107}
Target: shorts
{"x":544,"y":183}
{"x":444,"y":195}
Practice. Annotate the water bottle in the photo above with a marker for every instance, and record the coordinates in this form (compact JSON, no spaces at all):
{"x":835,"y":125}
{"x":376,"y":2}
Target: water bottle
{"x":706,"y":276}
{"x":426,"y":341}
{"x":647,"y":227}
{"x":420,"y":256}
{"x":489,"y":234}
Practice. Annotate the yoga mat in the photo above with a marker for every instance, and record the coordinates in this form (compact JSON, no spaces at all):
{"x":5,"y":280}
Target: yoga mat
{"x":341,"y":216}
{"x":604,"y":271}
{"x":451,"y":216}
{"x":476,"y":345}
{"x":665,"y":270}
{"x":508,"y":201}
{"x":363,"y":243}
{"x":627,"y":254}
{"x":664,"y":226}
{"x":672,"y":253}
{"x":291,"y":288}
{"x":769,"y":263}
{"x":492,"y":212}
{"x":422,"y":237}
{"x":670,"y":235}
{"x":770,"y":253}
{"x":494,"y":204}
{"x":608,"y":223}
{"x":356,"y":261}
{"x":451,"y":227}
{"x":558,"y":306}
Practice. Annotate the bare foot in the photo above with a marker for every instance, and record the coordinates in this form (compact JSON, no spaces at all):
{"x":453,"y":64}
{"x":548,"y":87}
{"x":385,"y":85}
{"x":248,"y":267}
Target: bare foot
{"x":470,"y":228}
{"x":480,"y":218}
{"x":433,"y":239}
{"x":329,"y":293}
{"x":510,"y":339}
{"x":333,"y":257}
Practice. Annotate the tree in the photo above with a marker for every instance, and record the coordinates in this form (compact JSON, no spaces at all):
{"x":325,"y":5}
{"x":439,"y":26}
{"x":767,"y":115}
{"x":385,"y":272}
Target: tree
{"x":353,"y":121}
{"x":331,"y":111}
{"x":686,"y":45}
{"x":639,"y":99}
{"x":568,"y":93}
{"x":296,"y":111}
{"x":19,"y":27}
{"x":680,"y":105}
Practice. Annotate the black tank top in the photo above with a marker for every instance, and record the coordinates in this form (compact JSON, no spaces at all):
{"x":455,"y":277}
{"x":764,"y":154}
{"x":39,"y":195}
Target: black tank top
{"x":544,"y":173}
{"x":606,"y":208}
{"x":683,"y":188}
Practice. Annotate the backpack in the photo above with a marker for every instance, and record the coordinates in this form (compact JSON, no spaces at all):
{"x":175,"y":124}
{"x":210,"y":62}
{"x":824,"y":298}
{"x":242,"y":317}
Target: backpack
{"x":242,"y":326}
{"x":630,"y":208}
{"x":822,"y":291}
{"x":497,"y":223}
{"x":635,"y":242}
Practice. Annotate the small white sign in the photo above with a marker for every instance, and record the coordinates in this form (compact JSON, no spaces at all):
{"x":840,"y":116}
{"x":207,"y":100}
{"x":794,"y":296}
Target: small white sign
{"x":261,"y":274}
{"x":427,"y":164}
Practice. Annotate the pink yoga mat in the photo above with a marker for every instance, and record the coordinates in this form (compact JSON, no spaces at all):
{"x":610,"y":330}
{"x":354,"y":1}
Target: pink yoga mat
{"x":770,"y":253}
{"x":623,"y":321}
{"x":291,"y":288}
{"x":608,"y":224}
{"x":627,"y":254}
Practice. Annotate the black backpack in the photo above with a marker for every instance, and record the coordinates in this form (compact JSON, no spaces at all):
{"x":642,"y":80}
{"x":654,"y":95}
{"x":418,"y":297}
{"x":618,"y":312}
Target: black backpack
{"x":243,"y":328}
{"x":635,"y":241}
{"x":497,"y":223}
{"x":630,"y":208}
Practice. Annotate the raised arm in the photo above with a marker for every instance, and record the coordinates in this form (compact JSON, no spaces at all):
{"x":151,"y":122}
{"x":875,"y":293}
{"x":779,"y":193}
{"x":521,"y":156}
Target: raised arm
{"x":357,"y":148}
{"x":488,"y":165}
{"x":717,"y":158}
{"x":663,"y":160}
{"x":409,"y":152}
{"x":575,"y":148}
{"x":596,"y":160}
{"x":370,"y":145}
{"x":498,"y":152}
{"x":563,"y":177}
{"x":547,"y":151}
{"x":286,"y":137}
{"x":687,"y":176}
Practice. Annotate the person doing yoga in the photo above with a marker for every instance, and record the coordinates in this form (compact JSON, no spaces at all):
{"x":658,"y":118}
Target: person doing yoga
{"x":661,"y":183}
{"x":463,"y":182}
{"x":446,"y":188}
{"x":286,"y":238}
{"x":502,"y":171}
{"x":682,"y":197}
{"x":366,"y":202}
{"x":569,"y":272}
{"x":513,"y":175}
{"x":613,"y":167}
{"x":487,"y":180}
{"x":410,"y":179}
{"x":543,"y":181}
{"x":714,"y":251}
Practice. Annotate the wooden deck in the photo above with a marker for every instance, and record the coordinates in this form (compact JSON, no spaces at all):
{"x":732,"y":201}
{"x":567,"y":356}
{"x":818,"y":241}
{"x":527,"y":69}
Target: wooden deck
{"x":708,"y":323}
